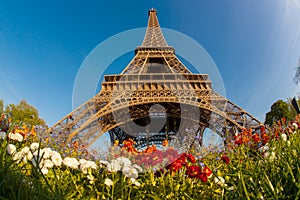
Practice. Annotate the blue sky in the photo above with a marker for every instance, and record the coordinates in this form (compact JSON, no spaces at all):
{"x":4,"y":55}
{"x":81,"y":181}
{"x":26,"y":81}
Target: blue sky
{"x":254,"y":43}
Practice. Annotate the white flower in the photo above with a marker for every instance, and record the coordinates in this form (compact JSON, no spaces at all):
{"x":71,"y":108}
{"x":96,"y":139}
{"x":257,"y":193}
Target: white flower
{"x":85,"y":165}
{"x":130,"y":172}
{"x":48,"y":163}
{"x":91,"y":178}
{"x":46,"y":152}
{"x":17,"y":156}
{"x":231,"y":188}
{"x":135,"y":182}
{"x":56,"y":158}
{"x":29,"y":156}
{"x":44,"y":170}
{"x":264,"y":148}
{"x":2,"y":135}
{"x":11,"y":136}
{"x":26,"y":154}
{"x":272,"y":156}
{"x":295,"y":125}
{"x":15,"y":136}
{"x":124,"y":162}
{"x":288,"y":143}
{"x":25,"y":150}
{"x":24,"y":160}
{"x":82,"y":161}
{"x":266,"y":154}
{"x":11,"y":149}
{"x":108,"y":182}
{"x":104,"y":162}
{"x":284,"y":137}
{"x":114,"y":166}
{"x":220,"y":181}
{"x":34,"y":146}
{"x":18,"y":137}
{"x":36,"y":153}
{"x":139,"y":169}
{"x":37,"y":160}
{"x":92,"y":165}
{"x":71,"y":162}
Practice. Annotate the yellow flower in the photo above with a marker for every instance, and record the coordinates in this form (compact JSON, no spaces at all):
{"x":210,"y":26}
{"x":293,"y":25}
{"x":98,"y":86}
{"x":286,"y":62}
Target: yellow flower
{"x":116,"y":142}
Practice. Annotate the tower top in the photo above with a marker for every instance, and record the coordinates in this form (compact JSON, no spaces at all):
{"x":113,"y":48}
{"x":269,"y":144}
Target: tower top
{"x":153,"y":36}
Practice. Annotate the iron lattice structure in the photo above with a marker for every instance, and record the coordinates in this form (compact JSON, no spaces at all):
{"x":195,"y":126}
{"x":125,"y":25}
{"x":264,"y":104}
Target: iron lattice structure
{"x":154,"y":98}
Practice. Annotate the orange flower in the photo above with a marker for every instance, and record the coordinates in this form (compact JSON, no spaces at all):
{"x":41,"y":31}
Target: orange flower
{"x":150,"y":149}
{"x":128,"y":143}
{"x":165,"y":143}
{"x":33,"y":132}
{"x":75,"y":144}
{"x":25,"y":129}
{"x":132,"y":149}
{"x":246,"y":139}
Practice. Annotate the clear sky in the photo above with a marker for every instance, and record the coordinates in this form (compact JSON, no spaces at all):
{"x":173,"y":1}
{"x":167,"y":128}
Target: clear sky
{"x":254,"y":43}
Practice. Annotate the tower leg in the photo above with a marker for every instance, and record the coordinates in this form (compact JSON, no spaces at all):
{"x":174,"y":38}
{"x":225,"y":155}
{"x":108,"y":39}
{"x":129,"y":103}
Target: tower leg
{"x":199,"y":136}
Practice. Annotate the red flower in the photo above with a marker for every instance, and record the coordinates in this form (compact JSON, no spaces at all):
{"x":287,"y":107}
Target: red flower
{"x":265,"y":138}
{"x":182,"y":158}
{"x":262,"y":129}
{"x":225,"y":159}
{"x":203,"y":177}
{"x":191,"y":158}
{"x":193,"y":171}
{"x":238,"y":139}
{"x":256,"y":138}
{"x":207,"y":171}
{"x":175,"y":166}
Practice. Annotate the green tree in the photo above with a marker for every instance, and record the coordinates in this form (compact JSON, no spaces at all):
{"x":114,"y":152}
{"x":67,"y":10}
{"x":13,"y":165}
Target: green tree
{"x":24,"y":113}
{"x":1,"y":106}
{"x":279,"y":109}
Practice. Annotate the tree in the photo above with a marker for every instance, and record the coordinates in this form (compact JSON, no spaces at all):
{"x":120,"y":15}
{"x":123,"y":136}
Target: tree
{"x":1,"y":106}
{"x":23,"y":113}
{"x":279,"y":110}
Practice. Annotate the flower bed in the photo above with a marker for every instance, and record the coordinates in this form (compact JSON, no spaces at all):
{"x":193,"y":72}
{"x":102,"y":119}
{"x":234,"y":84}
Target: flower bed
{"x":254,"y":166}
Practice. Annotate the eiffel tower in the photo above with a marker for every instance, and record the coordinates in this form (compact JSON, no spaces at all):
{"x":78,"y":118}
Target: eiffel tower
{"x":156,"y":97}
